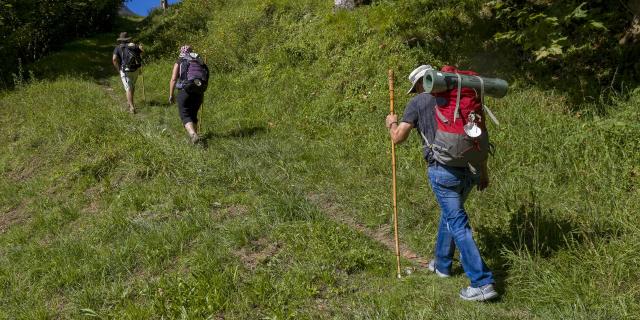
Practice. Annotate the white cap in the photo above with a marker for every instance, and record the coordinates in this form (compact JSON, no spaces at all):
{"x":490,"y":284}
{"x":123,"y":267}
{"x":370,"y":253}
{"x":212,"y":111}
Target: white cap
{"x":417,"y":74}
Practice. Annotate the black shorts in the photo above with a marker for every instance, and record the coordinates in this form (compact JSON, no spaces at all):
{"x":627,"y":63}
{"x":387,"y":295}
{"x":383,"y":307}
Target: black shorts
{"x":188,"y":106}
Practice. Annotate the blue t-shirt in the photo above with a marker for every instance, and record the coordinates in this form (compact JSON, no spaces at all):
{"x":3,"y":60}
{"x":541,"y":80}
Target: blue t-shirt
{"x":420,"y":113}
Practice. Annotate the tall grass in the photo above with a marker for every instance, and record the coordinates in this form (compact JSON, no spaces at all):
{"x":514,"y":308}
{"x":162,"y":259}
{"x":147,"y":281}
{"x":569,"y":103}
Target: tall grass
{"x":108,"y":215}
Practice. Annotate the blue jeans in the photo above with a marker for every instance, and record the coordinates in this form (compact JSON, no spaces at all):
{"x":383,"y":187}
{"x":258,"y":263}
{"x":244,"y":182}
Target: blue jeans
{"x":451,"y":187}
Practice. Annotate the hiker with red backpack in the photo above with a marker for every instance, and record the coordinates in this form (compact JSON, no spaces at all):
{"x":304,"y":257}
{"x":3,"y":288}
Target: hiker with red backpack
{"x":127,"y":59}
{"x":451,"y":125}
{"x":190,"y":75}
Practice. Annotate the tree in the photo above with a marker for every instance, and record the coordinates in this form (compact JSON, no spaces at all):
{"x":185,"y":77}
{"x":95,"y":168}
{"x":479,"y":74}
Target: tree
{"x":632,"y":33}
{"x":585,"y":48}
{"x":349,"y":4}
{"x":31,"y":29}
{"x":344,"y":4}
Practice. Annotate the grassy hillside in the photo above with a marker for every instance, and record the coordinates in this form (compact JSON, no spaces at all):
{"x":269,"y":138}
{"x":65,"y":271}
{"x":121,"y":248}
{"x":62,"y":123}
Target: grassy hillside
{"x":104,"y":214}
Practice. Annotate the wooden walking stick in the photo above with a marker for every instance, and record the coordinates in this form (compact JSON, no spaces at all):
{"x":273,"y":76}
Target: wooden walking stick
{"x":393,"y":172}
{"x":144,"y":97}
{"x":201,"y":112}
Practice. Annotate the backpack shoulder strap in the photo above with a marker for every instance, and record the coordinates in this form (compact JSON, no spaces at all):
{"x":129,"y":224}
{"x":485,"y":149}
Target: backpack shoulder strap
{"x":133,"y":48}
{"x":197,"y":60}
{"x":126,"y":50}
{"x":184,"y":68}
{"x":457,"y":110}
{"x":428,"y":144}
{"x":440,"y":115}
{"x":121,"y":49}
{"x":484,"y":107}
{"x":491,"y":115}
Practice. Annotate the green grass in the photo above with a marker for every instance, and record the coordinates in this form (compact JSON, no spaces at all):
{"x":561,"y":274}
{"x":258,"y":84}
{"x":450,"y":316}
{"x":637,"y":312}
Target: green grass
{"x":104,"y":214}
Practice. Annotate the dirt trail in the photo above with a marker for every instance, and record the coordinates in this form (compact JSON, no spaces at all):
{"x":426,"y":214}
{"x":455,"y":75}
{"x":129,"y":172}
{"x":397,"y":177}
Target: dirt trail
{"x":119,"y":99}
{"x":381,"y":235}
{"x":15,"y":215}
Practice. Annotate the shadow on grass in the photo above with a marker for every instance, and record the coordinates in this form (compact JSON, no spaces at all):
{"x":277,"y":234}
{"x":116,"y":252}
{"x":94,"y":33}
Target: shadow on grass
{"x":538,"y":232}
{"x":239,"y":132}
{"x":236,"y":133}
{"x":156,"y":103}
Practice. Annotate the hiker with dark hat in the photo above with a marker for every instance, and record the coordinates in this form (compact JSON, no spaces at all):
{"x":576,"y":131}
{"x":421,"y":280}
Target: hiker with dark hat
{"x":190,"y":76}
{"x":127,"y":60}
{"x":451,"y":186}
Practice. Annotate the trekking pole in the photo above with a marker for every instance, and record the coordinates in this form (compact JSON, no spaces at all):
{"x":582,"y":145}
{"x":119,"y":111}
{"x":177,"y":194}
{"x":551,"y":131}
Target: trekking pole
{"x":201,"y":107}
{"x":393,"y":173}
{"x":144,"y":97}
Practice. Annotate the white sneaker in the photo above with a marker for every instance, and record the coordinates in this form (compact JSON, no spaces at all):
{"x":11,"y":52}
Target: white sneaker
{"x":432,"y":267}
{"x":484,"y":293}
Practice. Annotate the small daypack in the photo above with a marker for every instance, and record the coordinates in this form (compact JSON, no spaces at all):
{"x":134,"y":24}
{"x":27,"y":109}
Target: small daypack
{"x":461,"y":137}
{"x":131,"y":59}
{"x":194,"y":74}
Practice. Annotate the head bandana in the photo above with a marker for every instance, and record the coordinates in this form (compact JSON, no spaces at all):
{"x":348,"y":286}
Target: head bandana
{"x":185,"y":50}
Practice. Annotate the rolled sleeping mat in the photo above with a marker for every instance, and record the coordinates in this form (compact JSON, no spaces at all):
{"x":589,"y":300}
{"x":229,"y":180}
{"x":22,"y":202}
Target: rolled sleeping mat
{"x":437,"y":81}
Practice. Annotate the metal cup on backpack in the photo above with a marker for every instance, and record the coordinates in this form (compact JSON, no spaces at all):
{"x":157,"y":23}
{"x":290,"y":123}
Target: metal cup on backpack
{"x":471,"y":128}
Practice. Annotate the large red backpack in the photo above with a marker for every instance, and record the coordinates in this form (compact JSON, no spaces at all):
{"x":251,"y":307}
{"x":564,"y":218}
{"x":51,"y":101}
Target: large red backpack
{"x":461,"y":138}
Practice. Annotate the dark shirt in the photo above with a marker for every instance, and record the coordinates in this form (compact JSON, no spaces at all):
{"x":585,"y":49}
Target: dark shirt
{"x":119,"y":51}
{"x":420,"y":113}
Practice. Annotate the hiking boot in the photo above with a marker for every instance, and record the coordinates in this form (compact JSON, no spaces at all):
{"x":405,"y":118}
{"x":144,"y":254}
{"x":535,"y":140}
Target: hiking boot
{"x":432,"y":267}
{"x":195,"y":138}
{"x":484,"y":293}
{"x":132,"y":110}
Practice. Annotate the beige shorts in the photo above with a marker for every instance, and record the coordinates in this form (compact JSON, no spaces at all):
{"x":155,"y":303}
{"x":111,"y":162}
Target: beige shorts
{"x":129,"y":79}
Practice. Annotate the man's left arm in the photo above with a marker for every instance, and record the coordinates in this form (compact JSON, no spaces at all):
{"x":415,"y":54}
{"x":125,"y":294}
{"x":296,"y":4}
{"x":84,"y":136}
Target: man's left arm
{"x":399,"y":132}
{"x":116,"y":62}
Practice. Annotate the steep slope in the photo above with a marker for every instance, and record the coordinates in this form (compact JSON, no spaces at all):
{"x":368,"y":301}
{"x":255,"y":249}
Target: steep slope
{"x":105,"y":214}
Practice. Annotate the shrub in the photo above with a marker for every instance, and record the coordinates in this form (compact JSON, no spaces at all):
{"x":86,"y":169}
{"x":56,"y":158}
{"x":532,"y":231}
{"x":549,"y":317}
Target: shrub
{"x":572,"y":45}
{"x":31,"y":29}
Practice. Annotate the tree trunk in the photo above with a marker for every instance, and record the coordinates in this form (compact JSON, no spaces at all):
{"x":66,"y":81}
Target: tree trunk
{"x":344,"y":4}
{"x":633,"y":31}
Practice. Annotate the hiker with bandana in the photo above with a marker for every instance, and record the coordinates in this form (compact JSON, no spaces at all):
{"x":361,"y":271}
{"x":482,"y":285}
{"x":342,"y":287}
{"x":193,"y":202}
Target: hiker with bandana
{"x":190,"y":75}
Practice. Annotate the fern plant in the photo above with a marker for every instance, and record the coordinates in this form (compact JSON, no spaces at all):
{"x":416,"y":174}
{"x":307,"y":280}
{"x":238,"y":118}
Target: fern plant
{"x":569,"y":44}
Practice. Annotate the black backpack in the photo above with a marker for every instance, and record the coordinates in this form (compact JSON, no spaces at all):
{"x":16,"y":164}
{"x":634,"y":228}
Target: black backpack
{"x":131,"y":59}
{"x":194,"y":75}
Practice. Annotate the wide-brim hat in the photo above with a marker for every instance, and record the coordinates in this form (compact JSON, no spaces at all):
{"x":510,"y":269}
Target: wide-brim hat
{"x":417,"y":74}
{"x":123,"y":37}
